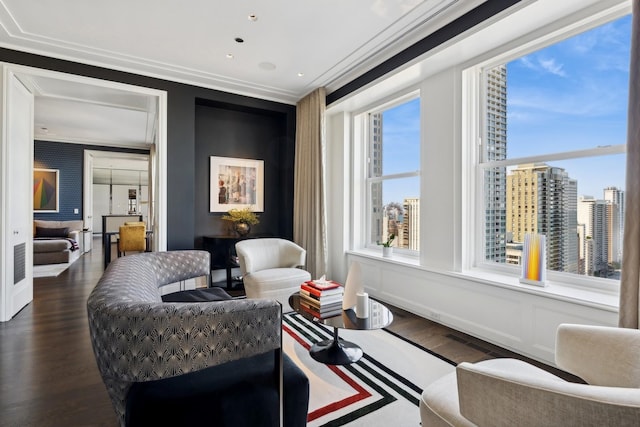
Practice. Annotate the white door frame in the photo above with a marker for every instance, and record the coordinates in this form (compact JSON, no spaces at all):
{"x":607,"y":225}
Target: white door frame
{"x":89,"y":156}
{"x":160,"y":158}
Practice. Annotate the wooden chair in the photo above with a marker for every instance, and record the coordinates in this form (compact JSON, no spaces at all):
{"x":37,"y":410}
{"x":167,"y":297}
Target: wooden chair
{"x":132,"y":238}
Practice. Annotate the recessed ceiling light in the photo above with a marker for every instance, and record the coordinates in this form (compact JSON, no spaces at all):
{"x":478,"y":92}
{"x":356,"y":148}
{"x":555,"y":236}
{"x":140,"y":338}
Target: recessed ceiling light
{"x":253,"y":17}
{"x":300,"y":74}
{"x":229,"y":55}
{"x":239,"y":40}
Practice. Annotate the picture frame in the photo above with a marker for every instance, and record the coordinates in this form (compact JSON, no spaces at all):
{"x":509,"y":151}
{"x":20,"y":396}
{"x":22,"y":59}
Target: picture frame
{"x":46,"y":190}
{"x":236,"y":184}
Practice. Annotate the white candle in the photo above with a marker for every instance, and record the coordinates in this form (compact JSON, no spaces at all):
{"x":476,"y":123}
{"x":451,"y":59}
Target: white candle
{"x":362,"y":305}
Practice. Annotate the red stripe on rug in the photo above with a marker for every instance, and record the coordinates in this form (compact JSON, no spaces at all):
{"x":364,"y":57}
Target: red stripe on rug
{"x":361,"y":392}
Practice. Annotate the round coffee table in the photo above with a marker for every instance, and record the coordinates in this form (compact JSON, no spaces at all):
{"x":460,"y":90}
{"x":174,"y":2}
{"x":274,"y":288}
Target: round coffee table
{"x":337,"y":351}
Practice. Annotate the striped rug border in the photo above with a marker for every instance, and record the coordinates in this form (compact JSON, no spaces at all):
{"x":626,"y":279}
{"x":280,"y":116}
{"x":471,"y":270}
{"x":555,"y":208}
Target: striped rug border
{"x":318,"y":332}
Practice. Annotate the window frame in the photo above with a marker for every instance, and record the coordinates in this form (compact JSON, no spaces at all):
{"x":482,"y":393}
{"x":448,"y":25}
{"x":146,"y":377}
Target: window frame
{"x":362,"y":157}
{"x":475,"y":117}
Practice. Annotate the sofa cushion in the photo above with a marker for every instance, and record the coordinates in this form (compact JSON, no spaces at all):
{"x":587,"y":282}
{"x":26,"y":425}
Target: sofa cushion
{"x":197,"y":295}
{"x":279,"y":277}
{"x":72,"y":225}
{"x":52,"y":232}
{"x":50,"y":245}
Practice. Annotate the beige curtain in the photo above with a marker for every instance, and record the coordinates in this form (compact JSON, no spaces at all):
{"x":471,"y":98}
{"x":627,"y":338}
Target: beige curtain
{"x":630,"y":282}
{"x":308,"y":195}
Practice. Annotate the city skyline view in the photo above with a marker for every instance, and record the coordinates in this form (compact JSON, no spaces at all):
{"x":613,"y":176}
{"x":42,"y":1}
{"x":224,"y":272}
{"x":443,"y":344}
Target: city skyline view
{"x":573,"y":95}
{"x":569,"y":96}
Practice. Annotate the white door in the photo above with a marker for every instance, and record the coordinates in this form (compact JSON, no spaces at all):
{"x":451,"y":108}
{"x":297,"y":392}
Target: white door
{"x":87,"y":197}
{"x":17,"y":195}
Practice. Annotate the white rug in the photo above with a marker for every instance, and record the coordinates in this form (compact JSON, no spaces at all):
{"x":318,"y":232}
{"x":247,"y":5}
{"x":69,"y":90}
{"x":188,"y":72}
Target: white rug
{"x":381,"y":389}
{"x":49,"y":270}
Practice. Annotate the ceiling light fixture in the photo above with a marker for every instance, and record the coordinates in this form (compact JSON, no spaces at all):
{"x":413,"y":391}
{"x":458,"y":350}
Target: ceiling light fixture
{"x":300,"y":74}
{"x":239,"y":40}
{"x":229,"y":55}
{"x":253,"y":17}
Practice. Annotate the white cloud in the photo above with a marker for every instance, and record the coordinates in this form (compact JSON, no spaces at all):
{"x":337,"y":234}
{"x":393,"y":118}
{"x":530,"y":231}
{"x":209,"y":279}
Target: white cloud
{"x":548,"y":65}
{"x":552,"y":67}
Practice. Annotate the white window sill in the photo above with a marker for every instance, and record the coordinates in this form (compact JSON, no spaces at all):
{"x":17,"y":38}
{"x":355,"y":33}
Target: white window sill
{"x":591,"y":297}
{"x":587,"y":296}
{"x":396,"y":258}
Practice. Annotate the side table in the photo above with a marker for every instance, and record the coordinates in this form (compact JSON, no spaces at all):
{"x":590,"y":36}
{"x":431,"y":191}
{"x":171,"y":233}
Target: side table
{"x":337,"y":351}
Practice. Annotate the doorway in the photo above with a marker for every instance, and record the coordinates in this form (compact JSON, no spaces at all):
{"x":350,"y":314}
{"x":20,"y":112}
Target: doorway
{"x":116,"y":184}
{"x":92,"y":109}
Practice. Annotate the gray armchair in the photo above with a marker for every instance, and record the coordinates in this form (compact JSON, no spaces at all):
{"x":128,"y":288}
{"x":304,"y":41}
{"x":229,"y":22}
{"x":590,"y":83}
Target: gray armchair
{"x":139,"y":339}
{"x":509,"y":392}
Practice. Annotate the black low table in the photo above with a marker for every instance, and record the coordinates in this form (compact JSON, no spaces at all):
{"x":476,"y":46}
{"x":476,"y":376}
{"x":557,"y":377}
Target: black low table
{"x":337,"y":351}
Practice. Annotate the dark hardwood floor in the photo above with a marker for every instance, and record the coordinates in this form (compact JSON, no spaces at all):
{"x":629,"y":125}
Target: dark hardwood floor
{"x":48,"y":374}
{"x":49,"y":377}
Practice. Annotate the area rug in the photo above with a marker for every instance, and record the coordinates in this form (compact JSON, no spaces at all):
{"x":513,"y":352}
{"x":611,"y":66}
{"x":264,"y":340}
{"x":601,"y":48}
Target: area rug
{"x":49,"y":270}
{"x":381,"y":389}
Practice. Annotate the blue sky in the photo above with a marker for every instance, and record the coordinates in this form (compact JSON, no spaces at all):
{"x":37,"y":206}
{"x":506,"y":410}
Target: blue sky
{"x":573,"y":95}
{"x":569,"y":96}
{"x":401,"y":150}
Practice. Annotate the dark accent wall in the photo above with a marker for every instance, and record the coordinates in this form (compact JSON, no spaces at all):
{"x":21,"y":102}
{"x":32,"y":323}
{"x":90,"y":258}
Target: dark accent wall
{"x":69,"y":160}
{"x":456,"y":27}
{"x":181,"y":144}
{"x":247,"y":133}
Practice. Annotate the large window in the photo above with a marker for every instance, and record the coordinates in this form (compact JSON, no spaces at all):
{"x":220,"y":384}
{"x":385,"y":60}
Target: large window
{"x":393,"y":174}
{"x":553,"y":152}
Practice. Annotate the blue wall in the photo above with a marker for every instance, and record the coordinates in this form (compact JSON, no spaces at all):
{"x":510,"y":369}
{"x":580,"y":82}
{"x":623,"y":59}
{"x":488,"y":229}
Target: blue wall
{"x":69,"y":160}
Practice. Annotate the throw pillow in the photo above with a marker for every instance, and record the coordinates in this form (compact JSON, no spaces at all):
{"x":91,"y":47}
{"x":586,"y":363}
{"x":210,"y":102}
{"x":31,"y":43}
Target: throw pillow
{"x":197,"y":295}
{"x":52,"y":232}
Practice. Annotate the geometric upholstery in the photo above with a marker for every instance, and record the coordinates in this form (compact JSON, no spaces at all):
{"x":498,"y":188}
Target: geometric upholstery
{"x":136,"y":337}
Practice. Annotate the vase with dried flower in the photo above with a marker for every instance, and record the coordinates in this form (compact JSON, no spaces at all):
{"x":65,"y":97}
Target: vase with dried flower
{"x":242,"y":220}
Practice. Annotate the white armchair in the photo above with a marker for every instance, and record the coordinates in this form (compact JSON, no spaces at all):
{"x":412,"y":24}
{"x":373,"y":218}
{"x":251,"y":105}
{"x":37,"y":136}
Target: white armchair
{"x":509,"y":392}
{"x":270,"y":268}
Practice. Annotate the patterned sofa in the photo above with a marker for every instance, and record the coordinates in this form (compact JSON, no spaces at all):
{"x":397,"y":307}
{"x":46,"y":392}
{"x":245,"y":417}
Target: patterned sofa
{"x":56,"y":242}
{"x":189,"y":363}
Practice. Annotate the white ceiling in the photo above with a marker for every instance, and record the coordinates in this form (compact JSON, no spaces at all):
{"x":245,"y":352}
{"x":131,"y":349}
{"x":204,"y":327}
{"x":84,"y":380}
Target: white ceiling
{"x":329,"y":42}
{"x":86,"y":113}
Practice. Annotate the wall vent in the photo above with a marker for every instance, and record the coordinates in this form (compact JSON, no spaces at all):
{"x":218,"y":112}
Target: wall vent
{"x":19,"y":262}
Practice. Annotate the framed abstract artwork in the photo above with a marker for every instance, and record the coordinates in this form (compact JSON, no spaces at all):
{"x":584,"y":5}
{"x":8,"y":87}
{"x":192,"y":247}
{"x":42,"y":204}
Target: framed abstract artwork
{"x":45,"y":190}
{"x":236,"y":184}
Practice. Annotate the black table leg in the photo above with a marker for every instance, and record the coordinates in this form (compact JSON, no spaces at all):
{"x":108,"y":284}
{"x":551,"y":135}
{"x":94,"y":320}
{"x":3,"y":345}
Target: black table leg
{"x":106,"y":239}
{"x":335,"y":351}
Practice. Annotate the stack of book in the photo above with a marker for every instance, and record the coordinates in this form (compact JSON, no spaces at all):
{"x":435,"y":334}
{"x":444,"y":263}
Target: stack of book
{"x":321,"y":298}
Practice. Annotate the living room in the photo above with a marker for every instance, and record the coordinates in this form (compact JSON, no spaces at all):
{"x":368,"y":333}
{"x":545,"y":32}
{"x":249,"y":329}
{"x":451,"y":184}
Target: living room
{"x":444,"y":281}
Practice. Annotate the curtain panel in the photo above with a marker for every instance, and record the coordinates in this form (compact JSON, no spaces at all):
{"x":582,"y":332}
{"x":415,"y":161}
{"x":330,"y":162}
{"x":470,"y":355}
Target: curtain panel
{"x":630,"y":281}
{"x":309,"y":223}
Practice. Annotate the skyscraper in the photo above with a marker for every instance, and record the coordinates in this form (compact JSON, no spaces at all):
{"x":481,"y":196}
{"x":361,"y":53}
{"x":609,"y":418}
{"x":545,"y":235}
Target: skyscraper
{"x":592,"y":214}
{"x":615,"y":199}
{"x":411,"y":228}
{"x":495,"y":178}
{"x":542,"y":199}
{"x":375,"y":169}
